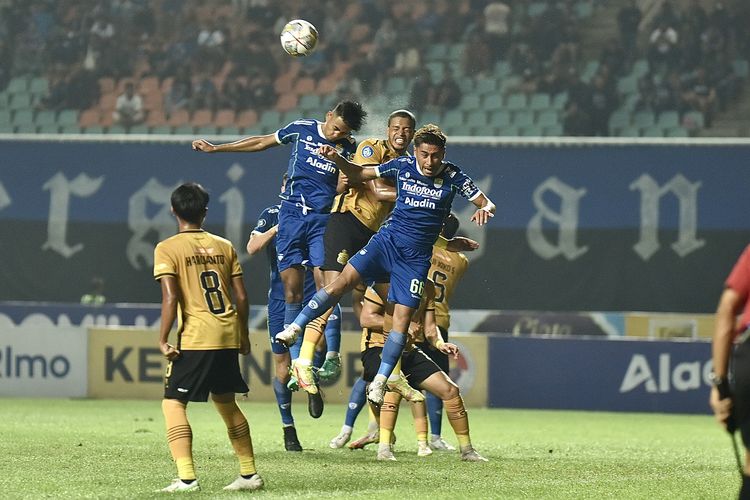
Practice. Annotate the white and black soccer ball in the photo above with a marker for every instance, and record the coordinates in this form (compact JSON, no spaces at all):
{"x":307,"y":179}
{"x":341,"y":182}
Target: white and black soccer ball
{"x":299,"y":38}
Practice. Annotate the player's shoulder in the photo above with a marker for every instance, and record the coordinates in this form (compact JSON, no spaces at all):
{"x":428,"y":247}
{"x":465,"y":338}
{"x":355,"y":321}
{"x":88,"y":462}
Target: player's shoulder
{"x":272,"y":210}
{"x":451,"y":169}
{"x":219,"y":240}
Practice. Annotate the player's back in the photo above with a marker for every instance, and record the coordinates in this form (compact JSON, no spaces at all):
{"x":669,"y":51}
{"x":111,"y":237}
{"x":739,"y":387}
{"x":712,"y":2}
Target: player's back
{"x":446,"y":270}
{"x":372,"y":337}
{"x":204,"y":265}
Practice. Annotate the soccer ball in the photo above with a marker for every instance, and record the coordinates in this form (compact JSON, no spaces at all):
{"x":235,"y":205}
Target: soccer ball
{"x":299,"y":37}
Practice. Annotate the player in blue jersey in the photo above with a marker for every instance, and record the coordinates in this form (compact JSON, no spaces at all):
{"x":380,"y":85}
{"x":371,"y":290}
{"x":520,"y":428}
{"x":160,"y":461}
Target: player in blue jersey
{"x":426,"y":186}
{"x":310,"y":189}
{"x":262,"y":237}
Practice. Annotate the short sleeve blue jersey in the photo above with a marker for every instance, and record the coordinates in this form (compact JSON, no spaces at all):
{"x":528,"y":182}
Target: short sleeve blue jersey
{"x":422,"y":202}
{"x":267,"y":220}
{"x":312,"y":178}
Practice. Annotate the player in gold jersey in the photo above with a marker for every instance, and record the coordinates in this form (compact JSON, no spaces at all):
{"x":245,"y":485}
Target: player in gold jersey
{"x":202,"y":287}
{"x":421,"y":371}
{"x":356,"y":214}
{"x":446,"y":270}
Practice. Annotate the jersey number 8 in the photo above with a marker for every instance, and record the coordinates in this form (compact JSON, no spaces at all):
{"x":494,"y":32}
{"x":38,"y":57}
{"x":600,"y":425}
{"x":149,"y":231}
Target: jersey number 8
{"x":214,"y":298}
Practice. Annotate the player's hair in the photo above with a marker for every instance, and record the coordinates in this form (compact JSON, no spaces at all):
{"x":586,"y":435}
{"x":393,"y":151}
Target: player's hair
{"x":352,"y":113}
{"x":403,"y":113}
{"x":190,"y":202}
{"x":430,"y":134}
{"x":450,"y":226}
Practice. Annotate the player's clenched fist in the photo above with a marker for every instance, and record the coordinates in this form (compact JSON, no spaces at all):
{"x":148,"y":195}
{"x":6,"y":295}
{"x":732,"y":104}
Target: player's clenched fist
{"x":203,"y":145}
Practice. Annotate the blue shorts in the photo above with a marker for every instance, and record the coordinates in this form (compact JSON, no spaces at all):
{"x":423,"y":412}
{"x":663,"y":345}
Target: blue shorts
{"x":300,"y":237}
{"x":406,"y":266}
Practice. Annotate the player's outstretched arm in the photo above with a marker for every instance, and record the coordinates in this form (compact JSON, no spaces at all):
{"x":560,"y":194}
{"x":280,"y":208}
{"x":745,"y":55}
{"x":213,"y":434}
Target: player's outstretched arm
{"x":356,"y":173}
{"x":486,"y":210}
{"x":247,"y":145}
{"x":383,"y":190}
{"x":170,"y":294}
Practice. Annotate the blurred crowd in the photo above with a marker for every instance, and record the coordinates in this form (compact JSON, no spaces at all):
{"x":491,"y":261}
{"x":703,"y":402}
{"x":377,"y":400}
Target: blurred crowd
{"x":225,"y":54}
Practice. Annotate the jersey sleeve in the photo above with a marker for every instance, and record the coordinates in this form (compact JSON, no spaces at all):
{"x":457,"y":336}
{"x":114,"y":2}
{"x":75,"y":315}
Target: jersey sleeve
{"x":287,"y":134}
{"x":266,"y":221}
{"x":463,"y":184}
{"x":236,"y":268}
{"x":739,"y":278}
{"x":463,"y":264}
{"x":389,"y":169}
{"x":367,"y":153}
{"x":164,"y":264}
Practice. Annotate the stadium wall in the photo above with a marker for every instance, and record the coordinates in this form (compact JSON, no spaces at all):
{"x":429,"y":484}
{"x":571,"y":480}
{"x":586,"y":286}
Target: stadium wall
{"x":582,"y":225}
{"x":47,"y":354}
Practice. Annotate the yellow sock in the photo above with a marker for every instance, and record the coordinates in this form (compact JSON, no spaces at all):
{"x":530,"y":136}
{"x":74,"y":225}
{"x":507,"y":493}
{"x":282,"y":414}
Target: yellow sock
{"x":419,"y":412}
{"x":179,"y":437}
{"x":239,"y":435}
{"x":373,"y":424}
{"x":313,"y":332}
{"x":388,"y":415}
{"x":458,"y":418}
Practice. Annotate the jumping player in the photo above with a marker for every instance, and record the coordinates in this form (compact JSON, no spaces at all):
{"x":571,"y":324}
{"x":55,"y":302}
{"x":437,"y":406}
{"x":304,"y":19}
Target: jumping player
{"x":426,"y":187}
{"x":356,"y":215}
{"x":202,"y":287}
{"x":263,"y":237}
{"x":307,"y":199}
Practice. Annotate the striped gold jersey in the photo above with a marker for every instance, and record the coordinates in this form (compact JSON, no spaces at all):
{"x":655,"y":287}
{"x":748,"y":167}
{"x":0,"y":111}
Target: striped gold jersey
{"x":416,"y":329}
{"x":375,"y":338}
{"x":204,"y":265}
{"x":372,"y":337}
{"x":360,"y":200}
{"x":446,"y":270}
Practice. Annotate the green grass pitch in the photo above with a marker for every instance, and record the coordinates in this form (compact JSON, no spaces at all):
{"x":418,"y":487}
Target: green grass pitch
{"x":116,"y":449}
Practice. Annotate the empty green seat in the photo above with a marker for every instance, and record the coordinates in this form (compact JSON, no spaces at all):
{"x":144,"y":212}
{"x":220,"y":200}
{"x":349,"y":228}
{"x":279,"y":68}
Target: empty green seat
{"x":540,"y":101}
{"x":470,"y":102}
{"x":453,"y":118}
{"x":46,"y":117}
{"x":500,"y":118}
{"x":492,"y":102}
{"x":49,"y":128}
{"x":547,"y":118}
{"x":67,"y":117}
{"x":516,"y":101}
{"x":644,"y":119}
{"x":23,"y":117}
{"x":668,"y":119}
{"x":523,"y":118}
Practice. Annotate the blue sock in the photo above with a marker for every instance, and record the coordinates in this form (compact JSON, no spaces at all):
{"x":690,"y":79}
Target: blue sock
{"x":295,"y":348}
{"x":284,"y":399}
{"x":356,"y":402}
{"x":291,"y":310}
{"x":333,"y":330}
{"x":435,"y":413}
{"x":392,"y":351}
{"x":318,"y":358}
{"x":321,"y":302}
